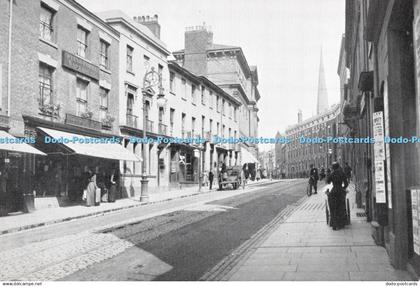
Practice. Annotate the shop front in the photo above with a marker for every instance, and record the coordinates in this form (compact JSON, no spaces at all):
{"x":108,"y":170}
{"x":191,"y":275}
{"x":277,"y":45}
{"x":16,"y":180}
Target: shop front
{"x":62,"y":176}
{"x":16,"y":175}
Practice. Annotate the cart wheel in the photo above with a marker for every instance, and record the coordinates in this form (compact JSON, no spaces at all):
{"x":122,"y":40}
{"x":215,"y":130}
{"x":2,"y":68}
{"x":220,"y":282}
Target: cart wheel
{"x":348,"y":211}
{"x":327,"y":213}
{"x":308,"y":190}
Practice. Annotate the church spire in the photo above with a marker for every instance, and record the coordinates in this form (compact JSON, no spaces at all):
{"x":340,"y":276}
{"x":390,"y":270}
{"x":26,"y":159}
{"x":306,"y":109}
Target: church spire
{"x":322,"y":101}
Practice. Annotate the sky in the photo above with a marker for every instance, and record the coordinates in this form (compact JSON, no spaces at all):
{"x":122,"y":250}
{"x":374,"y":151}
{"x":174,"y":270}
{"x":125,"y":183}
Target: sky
{"x":283,"y":38}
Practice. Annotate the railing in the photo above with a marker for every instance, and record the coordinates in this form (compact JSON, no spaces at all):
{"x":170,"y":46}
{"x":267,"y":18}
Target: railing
{"x":163,"y":129}
{"x":131,"y":120}
{"x":83,"y":122}
{"x":149,"y":125}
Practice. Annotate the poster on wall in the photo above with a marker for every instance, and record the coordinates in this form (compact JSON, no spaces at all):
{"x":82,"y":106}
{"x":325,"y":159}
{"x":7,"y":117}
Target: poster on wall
{"x":387,"y":146}
{"x":415,"y":211}
{"x":379,"y":156}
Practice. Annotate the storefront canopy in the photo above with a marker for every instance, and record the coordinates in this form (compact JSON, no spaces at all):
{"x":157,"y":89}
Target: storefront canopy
{"x":80,"y":146}
{"x":17,"y":146}
{"x":247,"y":157}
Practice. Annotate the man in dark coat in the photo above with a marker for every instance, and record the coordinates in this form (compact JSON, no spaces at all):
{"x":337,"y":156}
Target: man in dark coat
{"x":347,"y":172}
{"x":211,"y":177}
{"x":313,"y":179}
{"x":337,"y":197}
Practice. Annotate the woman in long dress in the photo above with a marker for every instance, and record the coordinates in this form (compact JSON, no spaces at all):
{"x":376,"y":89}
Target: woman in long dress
{"x":90,"y":191}
{"x":337,"y":197}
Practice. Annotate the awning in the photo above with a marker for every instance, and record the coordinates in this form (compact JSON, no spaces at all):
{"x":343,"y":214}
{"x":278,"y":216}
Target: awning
{"x":247,"y":157}
{"x":108,"y":150}
{"x":17,"y":147}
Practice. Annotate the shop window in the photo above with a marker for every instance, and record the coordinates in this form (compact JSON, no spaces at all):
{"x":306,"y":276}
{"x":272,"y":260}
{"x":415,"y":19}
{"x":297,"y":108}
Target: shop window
{"x":46,"y":29}
{"x":82,"y":97}
{"x":45,"y":85}
{"x":82,"y":42}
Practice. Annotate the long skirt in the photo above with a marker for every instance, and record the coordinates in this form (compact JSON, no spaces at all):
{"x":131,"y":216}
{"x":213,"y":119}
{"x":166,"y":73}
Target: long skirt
{"x":337,"y":204}
{"x":90,"y":197}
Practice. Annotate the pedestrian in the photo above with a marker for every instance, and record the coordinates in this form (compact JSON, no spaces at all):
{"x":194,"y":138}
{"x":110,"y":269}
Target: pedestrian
{"x":322,"y":174}
{"x":328,"y":173}
{"x":211,"y":177}
{"x":113,"y":186}
{"x":347,"y":171}
{"x":91,"y":190}
{"x":337,"y":197}
{"x":313,"y":179}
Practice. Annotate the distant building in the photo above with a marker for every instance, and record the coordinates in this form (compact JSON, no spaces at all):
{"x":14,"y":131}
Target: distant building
{"x":228,"y":68}
{"x":299,"y":155}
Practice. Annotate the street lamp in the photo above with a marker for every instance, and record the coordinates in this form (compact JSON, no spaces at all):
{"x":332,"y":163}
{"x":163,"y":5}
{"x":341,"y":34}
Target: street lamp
{"x":150,"y":80}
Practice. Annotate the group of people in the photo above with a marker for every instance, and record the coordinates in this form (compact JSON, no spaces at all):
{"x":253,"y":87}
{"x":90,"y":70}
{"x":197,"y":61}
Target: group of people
{"x":340,"y":179}
{"x":100,"y":188}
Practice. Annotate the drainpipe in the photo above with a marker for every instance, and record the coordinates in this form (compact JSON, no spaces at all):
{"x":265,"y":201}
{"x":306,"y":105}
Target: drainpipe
{"x":9,"y":72}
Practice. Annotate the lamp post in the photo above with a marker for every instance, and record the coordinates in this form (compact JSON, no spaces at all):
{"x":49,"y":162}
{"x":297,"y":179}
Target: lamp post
{"x":150,"y":80}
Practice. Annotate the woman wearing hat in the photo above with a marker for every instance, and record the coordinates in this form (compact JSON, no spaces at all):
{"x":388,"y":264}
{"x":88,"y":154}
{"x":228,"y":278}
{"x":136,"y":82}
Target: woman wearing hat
{"x":337,"y":197}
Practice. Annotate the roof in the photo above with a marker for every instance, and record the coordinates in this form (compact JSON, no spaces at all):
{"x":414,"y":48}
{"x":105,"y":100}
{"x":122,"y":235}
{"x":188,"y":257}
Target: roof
{"x":331,"y":110}
{"x":219,"y":47}
{"x":115,"y":16}
{"x":213,"y":47}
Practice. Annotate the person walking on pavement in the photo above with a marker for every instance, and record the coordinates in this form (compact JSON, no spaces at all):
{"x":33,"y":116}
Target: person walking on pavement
{"x":211,"y":177}
{"x":337,"y":197}
{"x":91,"y":190}
{"x":313,"y":179}
{"x":322,"y":174}
{"x":328,"y":173}
{"x":347,"y":171}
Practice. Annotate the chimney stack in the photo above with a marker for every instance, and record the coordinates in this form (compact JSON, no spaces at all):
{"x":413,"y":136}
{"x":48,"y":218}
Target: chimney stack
{"x":150,"y":22}
{"x":198,"y":40}
{"x":300,"y":116}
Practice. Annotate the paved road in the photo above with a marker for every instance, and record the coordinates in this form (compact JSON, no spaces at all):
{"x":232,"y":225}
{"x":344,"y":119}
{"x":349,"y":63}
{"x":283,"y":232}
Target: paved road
{"x":189,"y":237}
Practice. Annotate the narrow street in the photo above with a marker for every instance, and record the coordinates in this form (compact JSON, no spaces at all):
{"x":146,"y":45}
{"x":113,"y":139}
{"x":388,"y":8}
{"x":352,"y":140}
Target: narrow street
{"x":181,"y":244}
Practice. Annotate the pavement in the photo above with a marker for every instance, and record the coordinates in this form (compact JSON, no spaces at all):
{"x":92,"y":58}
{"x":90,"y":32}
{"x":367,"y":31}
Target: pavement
{"x":302,"y":247}
{"x":23,"y":221}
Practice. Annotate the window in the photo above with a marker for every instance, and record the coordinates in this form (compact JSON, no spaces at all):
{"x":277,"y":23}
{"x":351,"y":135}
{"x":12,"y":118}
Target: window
{"x":184,"y":88}
{"x":171,"y":120}
{"x":230,"y":110}
{"x":203,"y":97}
{"x":45,"y":85}
{"x":223,"y":106}
{"x":82,"y":43}
{"x":103,"y":94}
{"x":223,"y":130}
{"x":217,"y":103}
{"x":103,"y":55}
{"x":193,"y":88}
{"x":46,"y":24}
{"x":192,"y":126}
{"x":203,"y":123}
{"x":172,"y":82}
{"x":161,"y":112}
{"x":146,"y":62}
{"x":211,"y":103}
{"x":218,"y":129}
{"x":160,"y":70}
{"x":183,"y":124}
{"x":211,"y":126}
{"x":82,"y":96}
{"x":235,"y":114}
{"x":130,"y":51}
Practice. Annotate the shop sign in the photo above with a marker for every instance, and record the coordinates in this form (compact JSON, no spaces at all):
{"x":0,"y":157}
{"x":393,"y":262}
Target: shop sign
{"x":79,"y":65}
{"x":415,"y":212}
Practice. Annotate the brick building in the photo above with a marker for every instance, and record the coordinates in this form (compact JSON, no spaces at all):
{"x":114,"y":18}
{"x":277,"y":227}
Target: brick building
{"x":228,"y":68}
{"x":382,"y":98}
{"x":64,"y":83}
